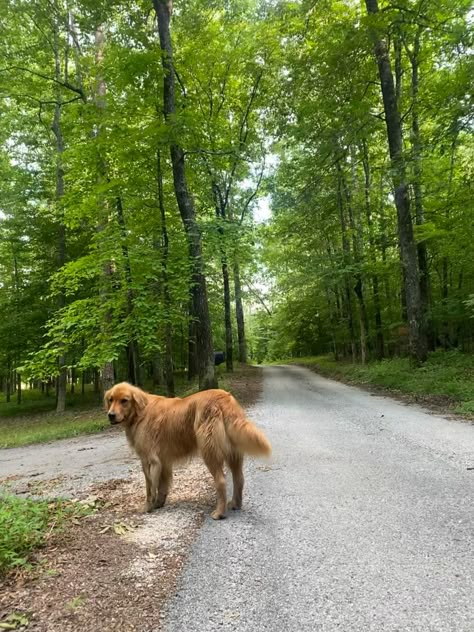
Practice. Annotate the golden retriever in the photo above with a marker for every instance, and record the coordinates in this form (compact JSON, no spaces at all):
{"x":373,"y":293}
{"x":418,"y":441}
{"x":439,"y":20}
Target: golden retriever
{"x":163,"y":430}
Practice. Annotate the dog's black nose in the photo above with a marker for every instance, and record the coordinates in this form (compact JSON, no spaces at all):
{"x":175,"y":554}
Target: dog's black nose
{"x":112,"y":417}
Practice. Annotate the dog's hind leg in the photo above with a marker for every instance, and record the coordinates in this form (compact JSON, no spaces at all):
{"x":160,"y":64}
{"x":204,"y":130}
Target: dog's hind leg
{"x":166,"y":477}
{"x":235,"y":461}
{"x":215,"y":466}
{"x":213,"y":445}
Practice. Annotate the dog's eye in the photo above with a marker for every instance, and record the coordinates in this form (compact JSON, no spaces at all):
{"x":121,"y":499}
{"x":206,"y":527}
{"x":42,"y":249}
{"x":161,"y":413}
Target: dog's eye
{"x":124,"y":401}
{"x":111,"y":399}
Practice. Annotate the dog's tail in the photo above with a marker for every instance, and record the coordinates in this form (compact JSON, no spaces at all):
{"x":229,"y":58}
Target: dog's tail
{"x":247,"y":438}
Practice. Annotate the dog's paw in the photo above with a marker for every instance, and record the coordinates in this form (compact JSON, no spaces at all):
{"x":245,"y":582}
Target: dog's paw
{"x":147,"y":508}
{"x":234,"y":506}
{"x":217,"y":515}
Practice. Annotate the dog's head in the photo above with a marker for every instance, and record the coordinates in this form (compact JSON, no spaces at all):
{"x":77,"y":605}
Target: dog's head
{"x":123,"y":402}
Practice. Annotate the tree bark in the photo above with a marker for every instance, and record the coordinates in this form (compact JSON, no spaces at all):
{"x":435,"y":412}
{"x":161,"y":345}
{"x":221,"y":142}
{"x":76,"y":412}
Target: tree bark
{"x":379,"y":338}
{"x":192,"y":343}
{"x":169,"y":369}
{"x":107,"y":372}
{"x":61,"y":383}
{"x":73,"y":380}
{"x":8,"y":382}
{"x":229,"y":344}
{"x":346,"y":253}
{"x":221,"y":216}
{"x":356,"y":248}
{"x":205,"y":352}
{"x":422,"y":251}
{"x":416,"y":329}
{"x":239,"y":314}
{"x":132,"y":349}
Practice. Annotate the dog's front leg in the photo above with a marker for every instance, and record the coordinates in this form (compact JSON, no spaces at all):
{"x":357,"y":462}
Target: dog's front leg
{"x":166,"y":477}
{"x":155,"y":470}
{"x":148,"y":506}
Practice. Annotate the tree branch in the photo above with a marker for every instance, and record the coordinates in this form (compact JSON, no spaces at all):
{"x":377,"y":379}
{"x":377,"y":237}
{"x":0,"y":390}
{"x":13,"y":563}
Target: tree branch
{"x":252,"y":196}
{"x":64,"y":84}
{"x":258,"y":297}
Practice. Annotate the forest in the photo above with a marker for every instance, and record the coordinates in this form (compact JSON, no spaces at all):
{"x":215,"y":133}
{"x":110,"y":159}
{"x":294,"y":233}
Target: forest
{"x":264,"y":178}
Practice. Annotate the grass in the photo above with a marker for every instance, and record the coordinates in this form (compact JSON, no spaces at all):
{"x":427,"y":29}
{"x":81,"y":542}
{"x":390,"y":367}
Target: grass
{"x":43,"y":428}
{"x":446,"y":378}
{"x":26,"y":524}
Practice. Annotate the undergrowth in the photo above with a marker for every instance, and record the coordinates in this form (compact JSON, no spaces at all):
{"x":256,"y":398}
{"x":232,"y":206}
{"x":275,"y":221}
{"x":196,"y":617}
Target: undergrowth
{"x":26,"y":524}
{"x":447,"y":377}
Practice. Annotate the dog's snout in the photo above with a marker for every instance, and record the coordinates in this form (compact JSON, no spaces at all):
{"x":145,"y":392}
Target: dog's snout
{"x":112,"y":417}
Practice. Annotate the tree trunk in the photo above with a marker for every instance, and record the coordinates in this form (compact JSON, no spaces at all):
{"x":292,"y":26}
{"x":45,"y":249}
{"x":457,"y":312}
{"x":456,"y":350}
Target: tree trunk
{"x":57,"y":131}
{"x":185,"y":202}
{"x":221,"y":215}
{"x":100,"y":102}
{"x":169,"y":369}
{"x":157,"y":369}
{"x":107,"y":376}
{"x":192,"y":344}
{"x":132,"y":349}
{"x":239,"y":314}
{"x":8,"y":385}
{"x":422,"y":251}
{"x":18,"y":388}
{"x":379,"y":339}
{"x":356,"y":248}
{"x":417,"y":335}
{"x":229,"y":345}
{"x":346,"y":259}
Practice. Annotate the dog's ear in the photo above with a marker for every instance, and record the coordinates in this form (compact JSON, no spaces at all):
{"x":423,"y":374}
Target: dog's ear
{"x":139,"y":399}
{"x":106,"y":398}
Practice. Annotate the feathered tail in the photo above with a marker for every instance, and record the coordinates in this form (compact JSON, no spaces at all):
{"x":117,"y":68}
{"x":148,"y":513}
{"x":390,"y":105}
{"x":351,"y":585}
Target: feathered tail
{"x":247,"y":438}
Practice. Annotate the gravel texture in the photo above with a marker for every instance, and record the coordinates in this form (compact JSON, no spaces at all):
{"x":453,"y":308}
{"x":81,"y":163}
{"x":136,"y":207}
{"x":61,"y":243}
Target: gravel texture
{"x":362,"y":520}
{"x":71,"y":464}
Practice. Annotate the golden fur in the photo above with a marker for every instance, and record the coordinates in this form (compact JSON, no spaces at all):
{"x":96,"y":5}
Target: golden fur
{"x":163,"y":430}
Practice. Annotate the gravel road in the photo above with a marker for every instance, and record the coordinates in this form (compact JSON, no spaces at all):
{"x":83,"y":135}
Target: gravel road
{"x":74,"y":464}
{"x":363,"y":520}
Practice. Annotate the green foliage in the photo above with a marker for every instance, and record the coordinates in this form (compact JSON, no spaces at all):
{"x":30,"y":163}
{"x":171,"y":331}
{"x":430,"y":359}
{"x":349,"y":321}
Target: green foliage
{"x":334,"y":226}
{"x":26,"y":524}
{"x":274,"y":98}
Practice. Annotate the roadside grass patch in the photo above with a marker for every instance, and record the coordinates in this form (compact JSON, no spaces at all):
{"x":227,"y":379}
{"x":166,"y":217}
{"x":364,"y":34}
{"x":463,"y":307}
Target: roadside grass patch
{"x":26,"y":524}
{"x":447,"y":377}
{"x":33,"y":401}
{"x":15,"y":432}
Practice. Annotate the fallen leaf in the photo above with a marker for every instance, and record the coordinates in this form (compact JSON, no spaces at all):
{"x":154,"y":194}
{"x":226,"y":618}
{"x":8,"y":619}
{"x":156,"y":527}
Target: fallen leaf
{"x":121,"y":528}
{"x":14,"y":621}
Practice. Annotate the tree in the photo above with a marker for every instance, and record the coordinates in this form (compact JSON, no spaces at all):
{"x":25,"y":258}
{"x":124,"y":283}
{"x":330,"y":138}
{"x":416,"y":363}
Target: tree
{"x":185,"y":202}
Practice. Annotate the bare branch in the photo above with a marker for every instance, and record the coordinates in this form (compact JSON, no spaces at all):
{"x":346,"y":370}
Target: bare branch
{"x":258,"y":297}
{"x":253,"y":195}
{"x":183,"y":88}
{"x":64,"y":84}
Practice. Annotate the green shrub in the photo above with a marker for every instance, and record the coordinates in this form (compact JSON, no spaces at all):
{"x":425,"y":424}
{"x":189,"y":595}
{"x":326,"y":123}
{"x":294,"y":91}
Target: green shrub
{"x":25,"y":525}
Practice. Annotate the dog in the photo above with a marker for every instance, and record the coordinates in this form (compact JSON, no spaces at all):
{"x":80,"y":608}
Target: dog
{"x":164,"y":430}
